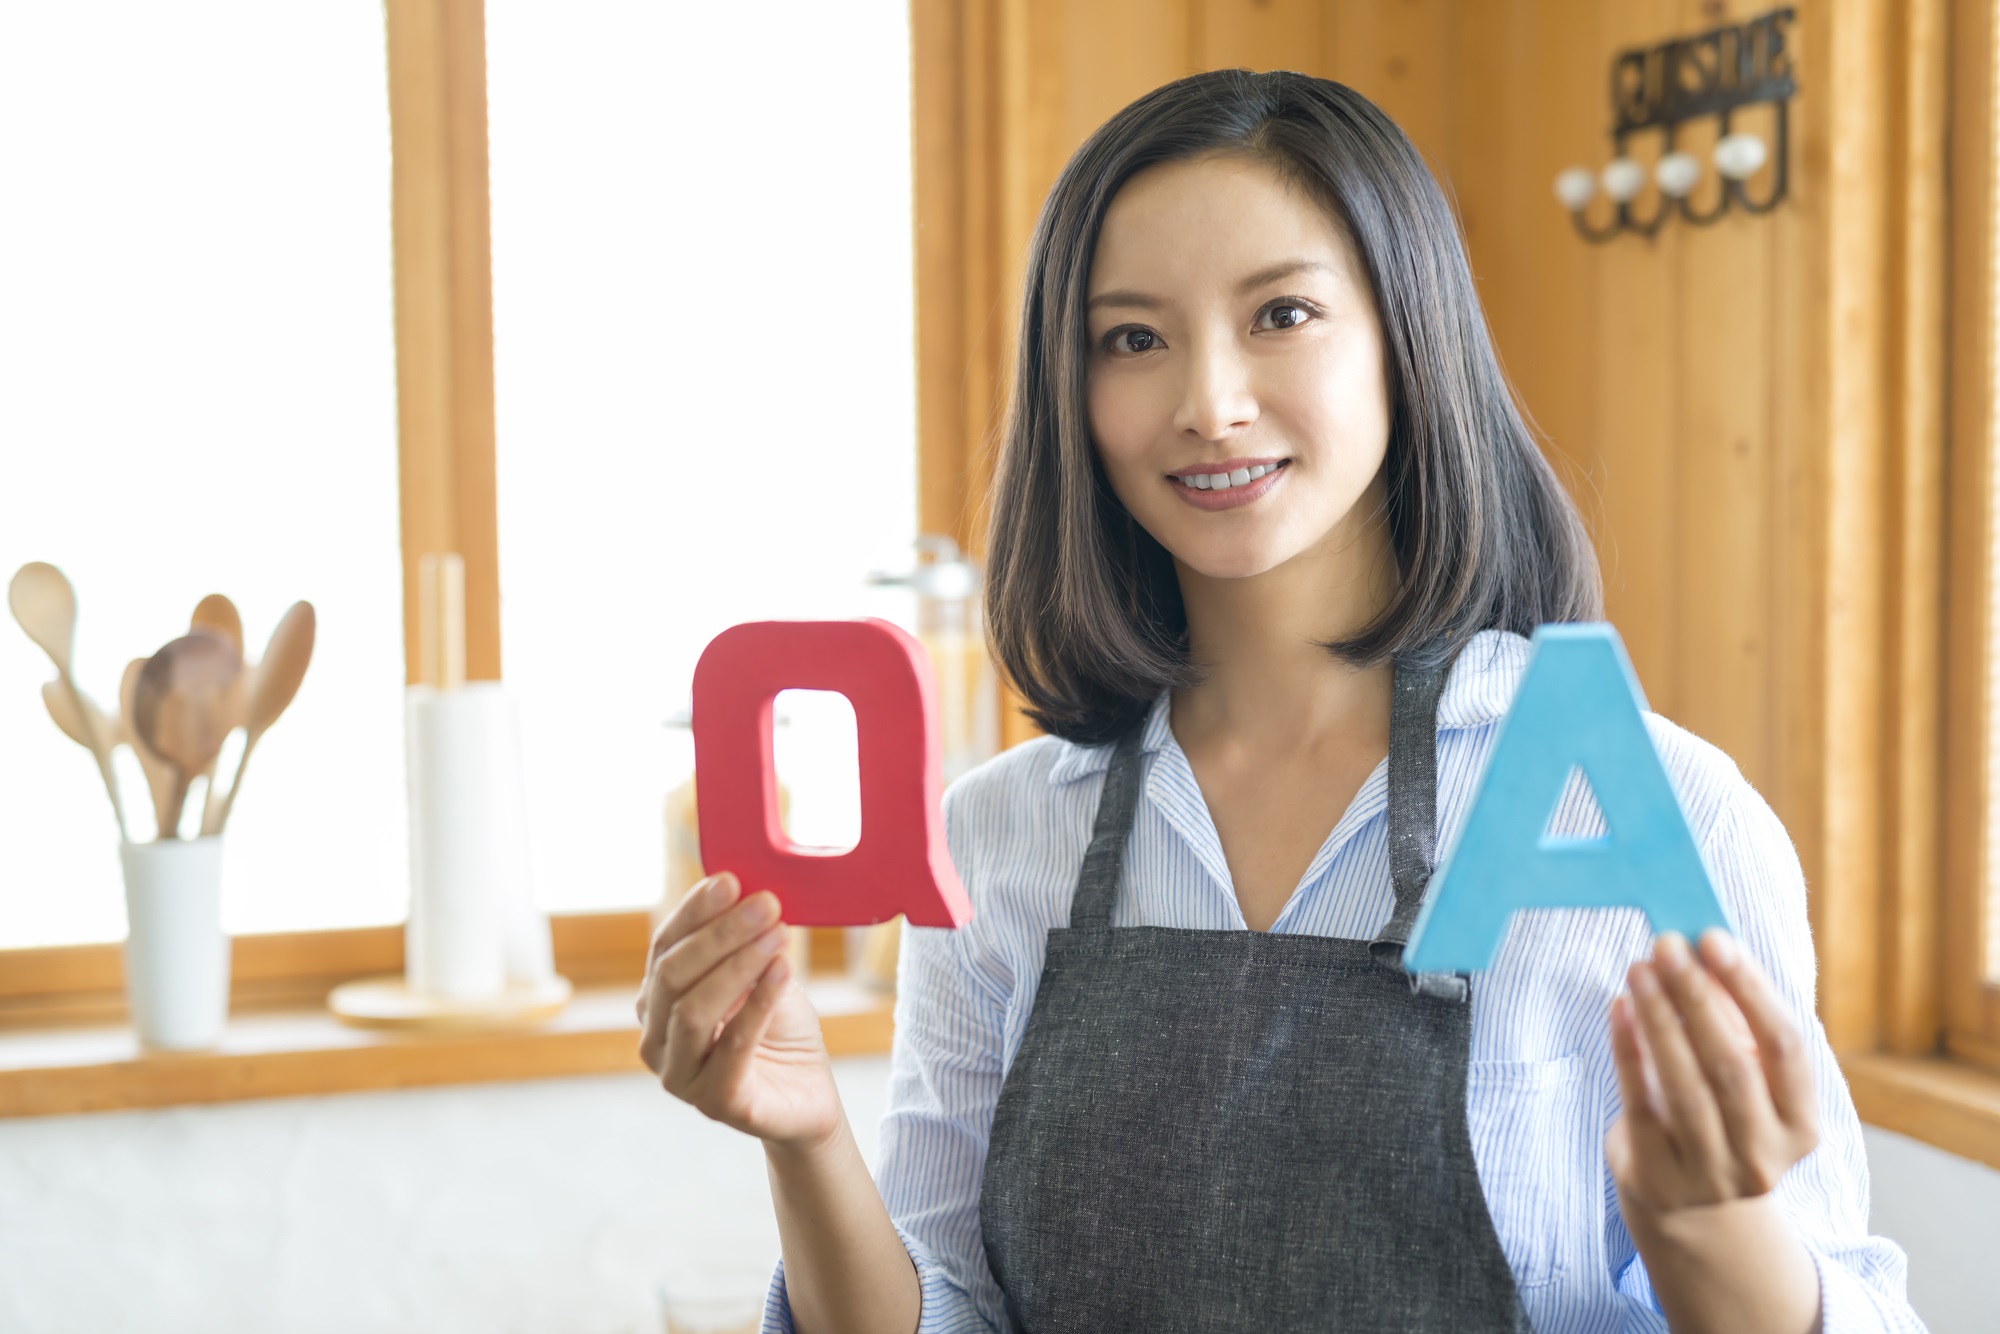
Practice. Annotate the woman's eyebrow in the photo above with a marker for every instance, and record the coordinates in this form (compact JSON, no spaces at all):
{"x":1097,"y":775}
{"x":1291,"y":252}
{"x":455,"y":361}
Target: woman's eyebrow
{"x":1138,"y":300}
{"x":1262,"y":277}
{"x":1285,"y":269}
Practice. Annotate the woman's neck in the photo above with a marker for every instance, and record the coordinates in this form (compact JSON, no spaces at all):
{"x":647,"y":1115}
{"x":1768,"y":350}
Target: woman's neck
{"x":1269,"y":685}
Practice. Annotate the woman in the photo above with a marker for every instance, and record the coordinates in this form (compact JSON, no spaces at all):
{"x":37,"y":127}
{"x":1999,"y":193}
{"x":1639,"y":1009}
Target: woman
{"x":1267,"y":533}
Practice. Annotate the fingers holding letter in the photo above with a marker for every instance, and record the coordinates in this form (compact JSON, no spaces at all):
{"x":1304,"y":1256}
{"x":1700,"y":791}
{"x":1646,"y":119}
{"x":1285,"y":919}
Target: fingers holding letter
{"x":1715,"y":1077}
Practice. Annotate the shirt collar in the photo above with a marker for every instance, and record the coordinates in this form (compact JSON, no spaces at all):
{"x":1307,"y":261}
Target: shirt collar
{"x":1082,"y":761}
{"x":1478,"y":691}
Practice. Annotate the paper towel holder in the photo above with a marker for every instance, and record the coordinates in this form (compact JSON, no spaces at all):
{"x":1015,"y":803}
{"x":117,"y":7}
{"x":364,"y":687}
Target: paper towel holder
{"x":521,"y":1001}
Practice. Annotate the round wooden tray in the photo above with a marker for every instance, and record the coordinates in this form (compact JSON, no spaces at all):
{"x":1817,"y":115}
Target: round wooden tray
{"x":388,"y":1002}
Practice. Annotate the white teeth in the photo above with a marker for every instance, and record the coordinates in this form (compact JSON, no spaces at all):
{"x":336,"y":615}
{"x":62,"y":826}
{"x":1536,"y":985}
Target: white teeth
{"x":1222,"y":481}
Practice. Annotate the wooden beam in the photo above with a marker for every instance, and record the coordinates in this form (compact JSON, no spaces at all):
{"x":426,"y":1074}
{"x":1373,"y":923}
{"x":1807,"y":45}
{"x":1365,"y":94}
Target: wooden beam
{"x":939,"y":168}
{"x":1971,"y":1002}
{"x":1851,"y":584}
{"x":444,"y":310}
{"x":1911,"y":916}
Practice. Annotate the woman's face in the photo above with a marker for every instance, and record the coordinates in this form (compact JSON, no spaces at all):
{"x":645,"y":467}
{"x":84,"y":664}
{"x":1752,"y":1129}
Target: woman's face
{"x":1236,"y":387}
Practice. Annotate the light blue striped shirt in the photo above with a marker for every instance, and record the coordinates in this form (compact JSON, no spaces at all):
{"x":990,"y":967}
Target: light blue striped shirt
{"x":1542,"y":1088}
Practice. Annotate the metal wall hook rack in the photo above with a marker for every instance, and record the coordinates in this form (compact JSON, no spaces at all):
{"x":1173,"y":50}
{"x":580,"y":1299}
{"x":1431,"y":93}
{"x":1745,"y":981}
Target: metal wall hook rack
{"x":1714,"y":73}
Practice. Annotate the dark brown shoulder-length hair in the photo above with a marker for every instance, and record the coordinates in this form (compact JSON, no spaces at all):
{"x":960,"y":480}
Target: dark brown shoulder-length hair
{"x":1084,"y":606}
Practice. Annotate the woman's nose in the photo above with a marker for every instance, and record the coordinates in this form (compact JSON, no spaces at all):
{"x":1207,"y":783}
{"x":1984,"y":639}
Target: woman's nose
{"x":1217,"y":399}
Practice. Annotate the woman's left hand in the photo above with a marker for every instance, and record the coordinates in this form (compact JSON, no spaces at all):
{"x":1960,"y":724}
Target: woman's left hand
{"x":1717,"y":1089}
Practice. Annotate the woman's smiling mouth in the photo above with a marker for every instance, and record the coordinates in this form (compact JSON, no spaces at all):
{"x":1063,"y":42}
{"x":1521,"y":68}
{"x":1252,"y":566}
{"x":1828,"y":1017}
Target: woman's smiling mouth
{"x":1227,"y":484}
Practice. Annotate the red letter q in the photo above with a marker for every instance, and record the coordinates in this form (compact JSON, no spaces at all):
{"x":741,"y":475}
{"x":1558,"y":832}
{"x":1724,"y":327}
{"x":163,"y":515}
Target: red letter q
{"x":901,"y":864}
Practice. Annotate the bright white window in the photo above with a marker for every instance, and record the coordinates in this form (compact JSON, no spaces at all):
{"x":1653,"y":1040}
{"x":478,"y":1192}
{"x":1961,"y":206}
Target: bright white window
{"x":197,"y":394}
{"x":702,"y":306}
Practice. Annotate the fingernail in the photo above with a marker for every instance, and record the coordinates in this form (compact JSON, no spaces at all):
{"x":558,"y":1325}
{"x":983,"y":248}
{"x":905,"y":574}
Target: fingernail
{"x":1670,"y":951}
{"x":770,"y":942}
{"x":1720,"y":948}
{"x":762,"y":908}
{"x":1643,"y":982}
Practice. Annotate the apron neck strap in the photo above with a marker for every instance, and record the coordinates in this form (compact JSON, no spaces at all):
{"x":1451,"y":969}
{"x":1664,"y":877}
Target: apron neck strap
{"x":1412,"y":792}
{"x":1097,"y":886}
{"x":1413,"y":816}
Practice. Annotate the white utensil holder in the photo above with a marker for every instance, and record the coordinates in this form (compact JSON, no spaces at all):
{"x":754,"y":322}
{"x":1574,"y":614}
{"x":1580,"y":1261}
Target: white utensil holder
{"x":176,"y":954}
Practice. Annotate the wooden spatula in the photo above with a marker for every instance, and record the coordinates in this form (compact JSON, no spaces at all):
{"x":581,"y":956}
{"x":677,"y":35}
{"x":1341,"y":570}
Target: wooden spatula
{"x":274,"y":683}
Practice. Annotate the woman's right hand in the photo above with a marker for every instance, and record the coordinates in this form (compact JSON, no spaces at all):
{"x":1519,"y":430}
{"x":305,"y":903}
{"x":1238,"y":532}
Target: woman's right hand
{"x":726,"y":1026}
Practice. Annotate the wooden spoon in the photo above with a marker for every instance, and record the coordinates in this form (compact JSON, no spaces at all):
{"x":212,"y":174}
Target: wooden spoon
{"x":188,"y":697}
{"x":159,"y":774}
{"x":78,"y":727}
{"x":43,"y":602}
{"x":275,"y":683}
{"x":217,"y":615}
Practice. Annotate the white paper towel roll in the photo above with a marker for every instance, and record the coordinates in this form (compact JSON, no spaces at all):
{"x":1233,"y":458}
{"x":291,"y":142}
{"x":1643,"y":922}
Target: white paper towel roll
{"x":473,"y":923}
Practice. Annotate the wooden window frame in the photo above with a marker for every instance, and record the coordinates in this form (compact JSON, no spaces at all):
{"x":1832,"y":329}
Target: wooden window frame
{"x":436,"y":53}
{"x":1971,"y":1001}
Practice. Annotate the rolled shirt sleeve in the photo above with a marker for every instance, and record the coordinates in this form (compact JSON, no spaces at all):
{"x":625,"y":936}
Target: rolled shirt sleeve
{"x":946,"y":1307}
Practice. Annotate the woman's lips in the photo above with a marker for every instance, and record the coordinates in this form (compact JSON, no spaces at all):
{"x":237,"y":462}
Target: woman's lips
{"x":1237,"y":494}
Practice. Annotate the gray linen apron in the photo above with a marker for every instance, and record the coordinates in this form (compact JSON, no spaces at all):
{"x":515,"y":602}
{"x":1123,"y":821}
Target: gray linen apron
{"x":1234,"y":1130}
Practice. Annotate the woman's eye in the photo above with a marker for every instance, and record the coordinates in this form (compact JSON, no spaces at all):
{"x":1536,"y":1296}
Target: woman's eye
{"x":1133,"y":340}
{"x":1283,"y":315}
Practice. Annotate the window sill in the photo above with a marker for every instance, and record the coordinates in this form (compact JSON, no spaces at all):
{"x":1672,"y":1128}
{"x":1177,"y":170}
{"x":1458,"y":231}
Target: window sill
{"x":1944,"y":1103}
{"x":291,"y":1051}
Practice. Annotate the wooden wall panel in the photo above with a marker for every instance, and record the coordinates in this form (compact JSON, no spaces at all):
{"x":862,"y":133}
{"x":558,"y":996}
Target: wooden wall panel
{"x":1634,"y":368}
{"x":1721,"y":289}
{"x":1111,"y":52}
{"x":1524,"y":114}
{"x":1275,"y":34}
{"x":1405,"y":58}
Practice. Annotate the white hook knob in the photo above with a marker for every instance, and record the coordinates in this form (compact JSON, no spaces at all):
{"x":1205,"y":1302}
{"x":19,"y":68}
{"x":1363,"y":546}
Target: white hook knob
{"x":1677,"y":174}
{"x":1575,"y":186}
{"x":1738,"y":156}
{"x":1623,"y":178}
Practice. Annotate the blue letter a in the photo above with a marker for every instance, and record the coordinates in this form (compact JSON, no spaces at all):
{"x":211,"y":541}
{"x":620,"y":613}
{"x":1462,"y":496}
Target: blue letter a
{"x":1578,"y":708}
